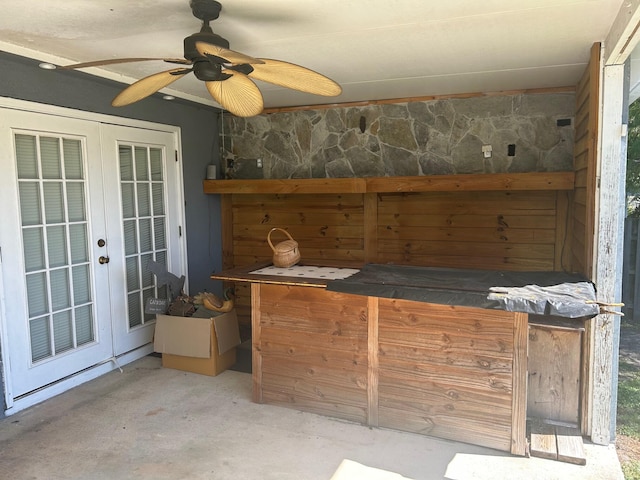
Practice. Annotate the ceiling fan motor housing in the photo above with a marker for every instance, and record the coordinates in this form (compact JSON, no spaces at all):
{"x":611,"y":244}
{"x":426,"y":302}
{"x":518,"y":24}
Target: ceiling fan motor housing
{"x":190,"y":51}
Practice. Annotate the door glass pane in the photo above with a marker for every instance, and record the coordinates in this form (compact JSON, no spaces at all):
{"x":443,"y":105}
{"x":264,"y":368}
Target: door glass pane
{"x":128,"y":200}
{"x":38,"y":299}
{"x":155,"y":155}
{"x":26,"y":151}
{"x":135,"y":309}
{"x":147,"y":276}
{"x":126,"y":162}
{"x":144,"y":203}
{"x":33,"y":249}
{"x":146,"y":240}
{"x":142,"y":164}
{"x":53,"y":202}
{"x":78,"y":241}
{"x":72,"y":159}
{"x":142,"y":188}
{"x":63,"y":331}
{"x":130,"y":237}
{"x":60,"y":289}
{"x":158,"y":199}
{"x":133,"y":278}
{"x":81,"y":285}
{"x":40,"y":338}
{"x":51,"y":179}
{"x":75,"y":202}
{"x":160,"y":233}
{"x":84,"y":325}
{"x":30,"y":209}
{"x":57,"y":246}
{"x":50,"y":158}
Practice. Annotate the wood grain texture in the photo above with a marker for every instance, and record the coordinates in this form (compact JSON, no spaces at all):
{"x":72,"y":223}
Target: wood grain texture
{"x":570,"y":446}
{"x":373,"y":372}
{"x":460,"y":182}
{"x":554,"y":374}
{"x":483,"y":225}
{"x":314,"y":350}
{"x":451,"y":372}
{"x":519,"y":397}
{"x":447,"y":370}
{"x":256,"y":342}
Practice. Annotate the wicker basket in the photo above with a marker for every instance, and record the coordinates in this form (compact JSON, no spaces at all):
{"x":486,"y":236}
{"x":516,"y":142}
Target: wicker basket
{"x":285,"y":254}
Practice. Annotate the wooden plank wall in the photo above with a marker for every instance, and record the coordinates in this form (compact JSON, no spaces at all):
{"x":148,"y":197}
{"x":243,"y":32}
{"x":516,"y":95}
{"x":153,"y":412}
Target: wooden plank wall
{"x":446,"y":371}
{"x":555,"y":357}
{"x":582,"y":240}
{"x":329,"y":229}
{"x":480,"y":230}
{"x":314,"y":356}
{"x":494,"y":230}
{"x":585,"y":162}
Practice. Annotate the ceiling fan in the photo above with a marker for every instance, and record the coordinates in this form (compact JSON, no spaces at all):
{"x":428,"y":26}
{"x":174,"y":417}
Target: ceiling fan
{"x":227,"y":74}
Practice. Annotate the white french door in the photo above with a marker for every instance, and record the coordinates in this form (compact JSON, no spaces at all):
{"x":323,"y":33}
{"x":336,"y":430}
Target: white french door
{"x":84,"y":206}
{"x":143,"y":201}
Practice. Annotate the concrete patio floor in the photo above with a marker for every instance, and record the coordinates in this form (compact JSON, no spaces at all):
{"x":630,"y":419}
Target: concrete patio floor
{"x":148,"y":422}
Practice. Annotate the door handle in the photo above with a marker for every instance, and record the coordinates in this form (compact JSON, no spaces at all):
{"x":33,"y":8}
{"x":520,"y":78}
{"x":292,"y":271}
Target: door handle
{"x":103,"y":260}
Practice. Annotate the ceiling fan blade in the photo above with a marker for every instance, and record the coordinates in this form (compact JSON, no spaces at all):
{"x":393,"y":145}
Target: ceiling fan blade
{"x":235,"y":58}
{"x":238,"y":94}
{"x":295,"y":77}
{"x":148,"y":86}
{"x":112,"y":61}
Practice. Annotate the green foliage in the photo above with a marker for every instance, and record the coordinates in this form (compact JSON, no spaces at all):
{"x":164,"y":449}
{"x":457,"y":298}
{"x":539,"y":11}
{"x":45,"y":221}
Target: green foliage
{"x":629,"y":400}
{"x":631,"y":470}
{"x":633,"y":161}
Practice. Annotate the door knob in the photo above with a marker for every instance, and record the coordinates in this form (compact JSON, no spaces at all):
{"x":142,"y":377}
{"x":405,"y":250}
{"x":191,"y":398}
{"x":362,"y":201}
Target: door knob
{"x":103,"y":260}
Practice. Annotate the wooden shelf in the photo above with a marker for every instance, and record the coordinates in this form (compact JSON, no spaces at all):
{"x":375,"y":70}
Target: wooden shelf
{"x":435,"y":183}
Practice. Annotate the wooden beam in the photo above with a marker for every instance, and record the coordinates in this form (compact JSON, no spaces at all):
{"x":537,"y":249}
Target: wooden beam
{"x":425,"y":183}
{"x":623,"y":36}
{"x":256,"y":354}
{"x":472,"y":182}
{"x":303,"y":185}
{"x":608,"y":259}
{"x":426,"y":98}
{"x":370,"y":227}
{"x":372,"y":368}
{"x":519,"y":379}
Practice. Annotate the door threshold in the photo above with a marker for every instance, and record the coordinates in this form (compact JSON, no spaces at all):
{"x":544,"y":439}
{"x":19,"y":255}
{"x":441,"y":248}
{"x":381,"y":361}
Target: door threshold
{"x":40,"y":395}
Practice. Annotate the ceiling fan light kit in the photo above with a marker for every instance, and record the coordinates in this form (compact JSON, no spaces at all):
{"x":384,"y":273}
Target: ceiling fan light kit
{"x":228,"y":75}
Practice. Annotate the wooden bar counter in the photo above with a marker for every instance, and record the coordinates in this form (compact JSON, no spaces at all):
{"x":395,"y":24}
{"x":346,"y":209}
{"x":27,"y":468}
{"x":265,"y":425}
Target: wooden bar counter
{"x":448,"y":371}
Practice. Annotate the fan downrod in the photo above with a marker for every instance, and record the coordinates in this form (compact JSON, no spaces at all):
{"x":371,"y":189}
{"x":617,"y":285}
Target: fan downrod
{"x":205,"y":10}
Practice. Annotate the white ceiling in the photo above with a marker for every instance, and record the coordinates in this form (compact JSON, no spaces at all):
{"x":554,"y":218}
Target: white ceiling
{"x":376,"y":49}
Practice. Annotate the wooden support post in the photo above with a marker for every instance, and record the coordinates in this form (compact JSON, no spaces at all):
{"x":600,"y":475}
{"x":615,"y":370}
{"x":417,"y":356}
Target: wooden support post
{"x":519,"y":398}
{"x":372,"y":371}
{"x":256,"y":354}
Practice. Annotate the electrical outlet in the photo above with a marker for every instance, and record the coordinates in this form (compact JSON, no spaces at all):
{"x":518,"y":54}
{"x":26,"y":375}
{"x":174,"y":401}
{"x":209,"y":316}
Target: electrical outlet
{"x":259,"y":163}
{"x":486,"y":150}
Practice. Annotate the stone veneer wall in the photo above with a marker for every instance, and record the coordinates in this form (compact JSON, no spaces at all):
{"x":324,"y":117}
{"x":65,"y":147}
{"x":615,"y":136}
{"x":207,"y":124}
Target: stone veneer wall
{"x":435,"y":137}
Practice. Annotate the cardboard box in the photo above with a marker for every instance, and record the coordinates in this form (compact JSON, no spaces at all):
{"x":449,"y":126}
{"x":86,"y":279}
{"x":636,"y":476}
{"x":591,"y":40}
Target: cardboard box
{"x":200,"y":345}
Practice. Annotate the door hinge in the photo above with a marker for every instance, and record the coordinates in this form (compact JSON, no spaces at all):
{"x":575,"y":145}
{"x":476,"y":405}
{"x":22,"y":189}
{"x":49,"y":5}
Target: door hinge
{"x":179,"y":231}
{"x":176,"y":152}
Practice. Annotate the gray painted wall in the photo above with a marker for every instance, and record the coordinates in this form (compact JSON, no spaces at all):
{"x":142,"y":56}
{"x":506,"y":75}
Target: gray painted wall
{"x":22,"y":79}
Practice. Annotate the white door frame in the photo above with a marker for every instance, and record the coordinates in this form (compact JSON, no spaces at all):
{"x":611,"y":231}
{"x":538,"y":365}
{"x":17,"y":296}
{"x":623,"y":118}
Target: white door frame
{"x":111,"y":364}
